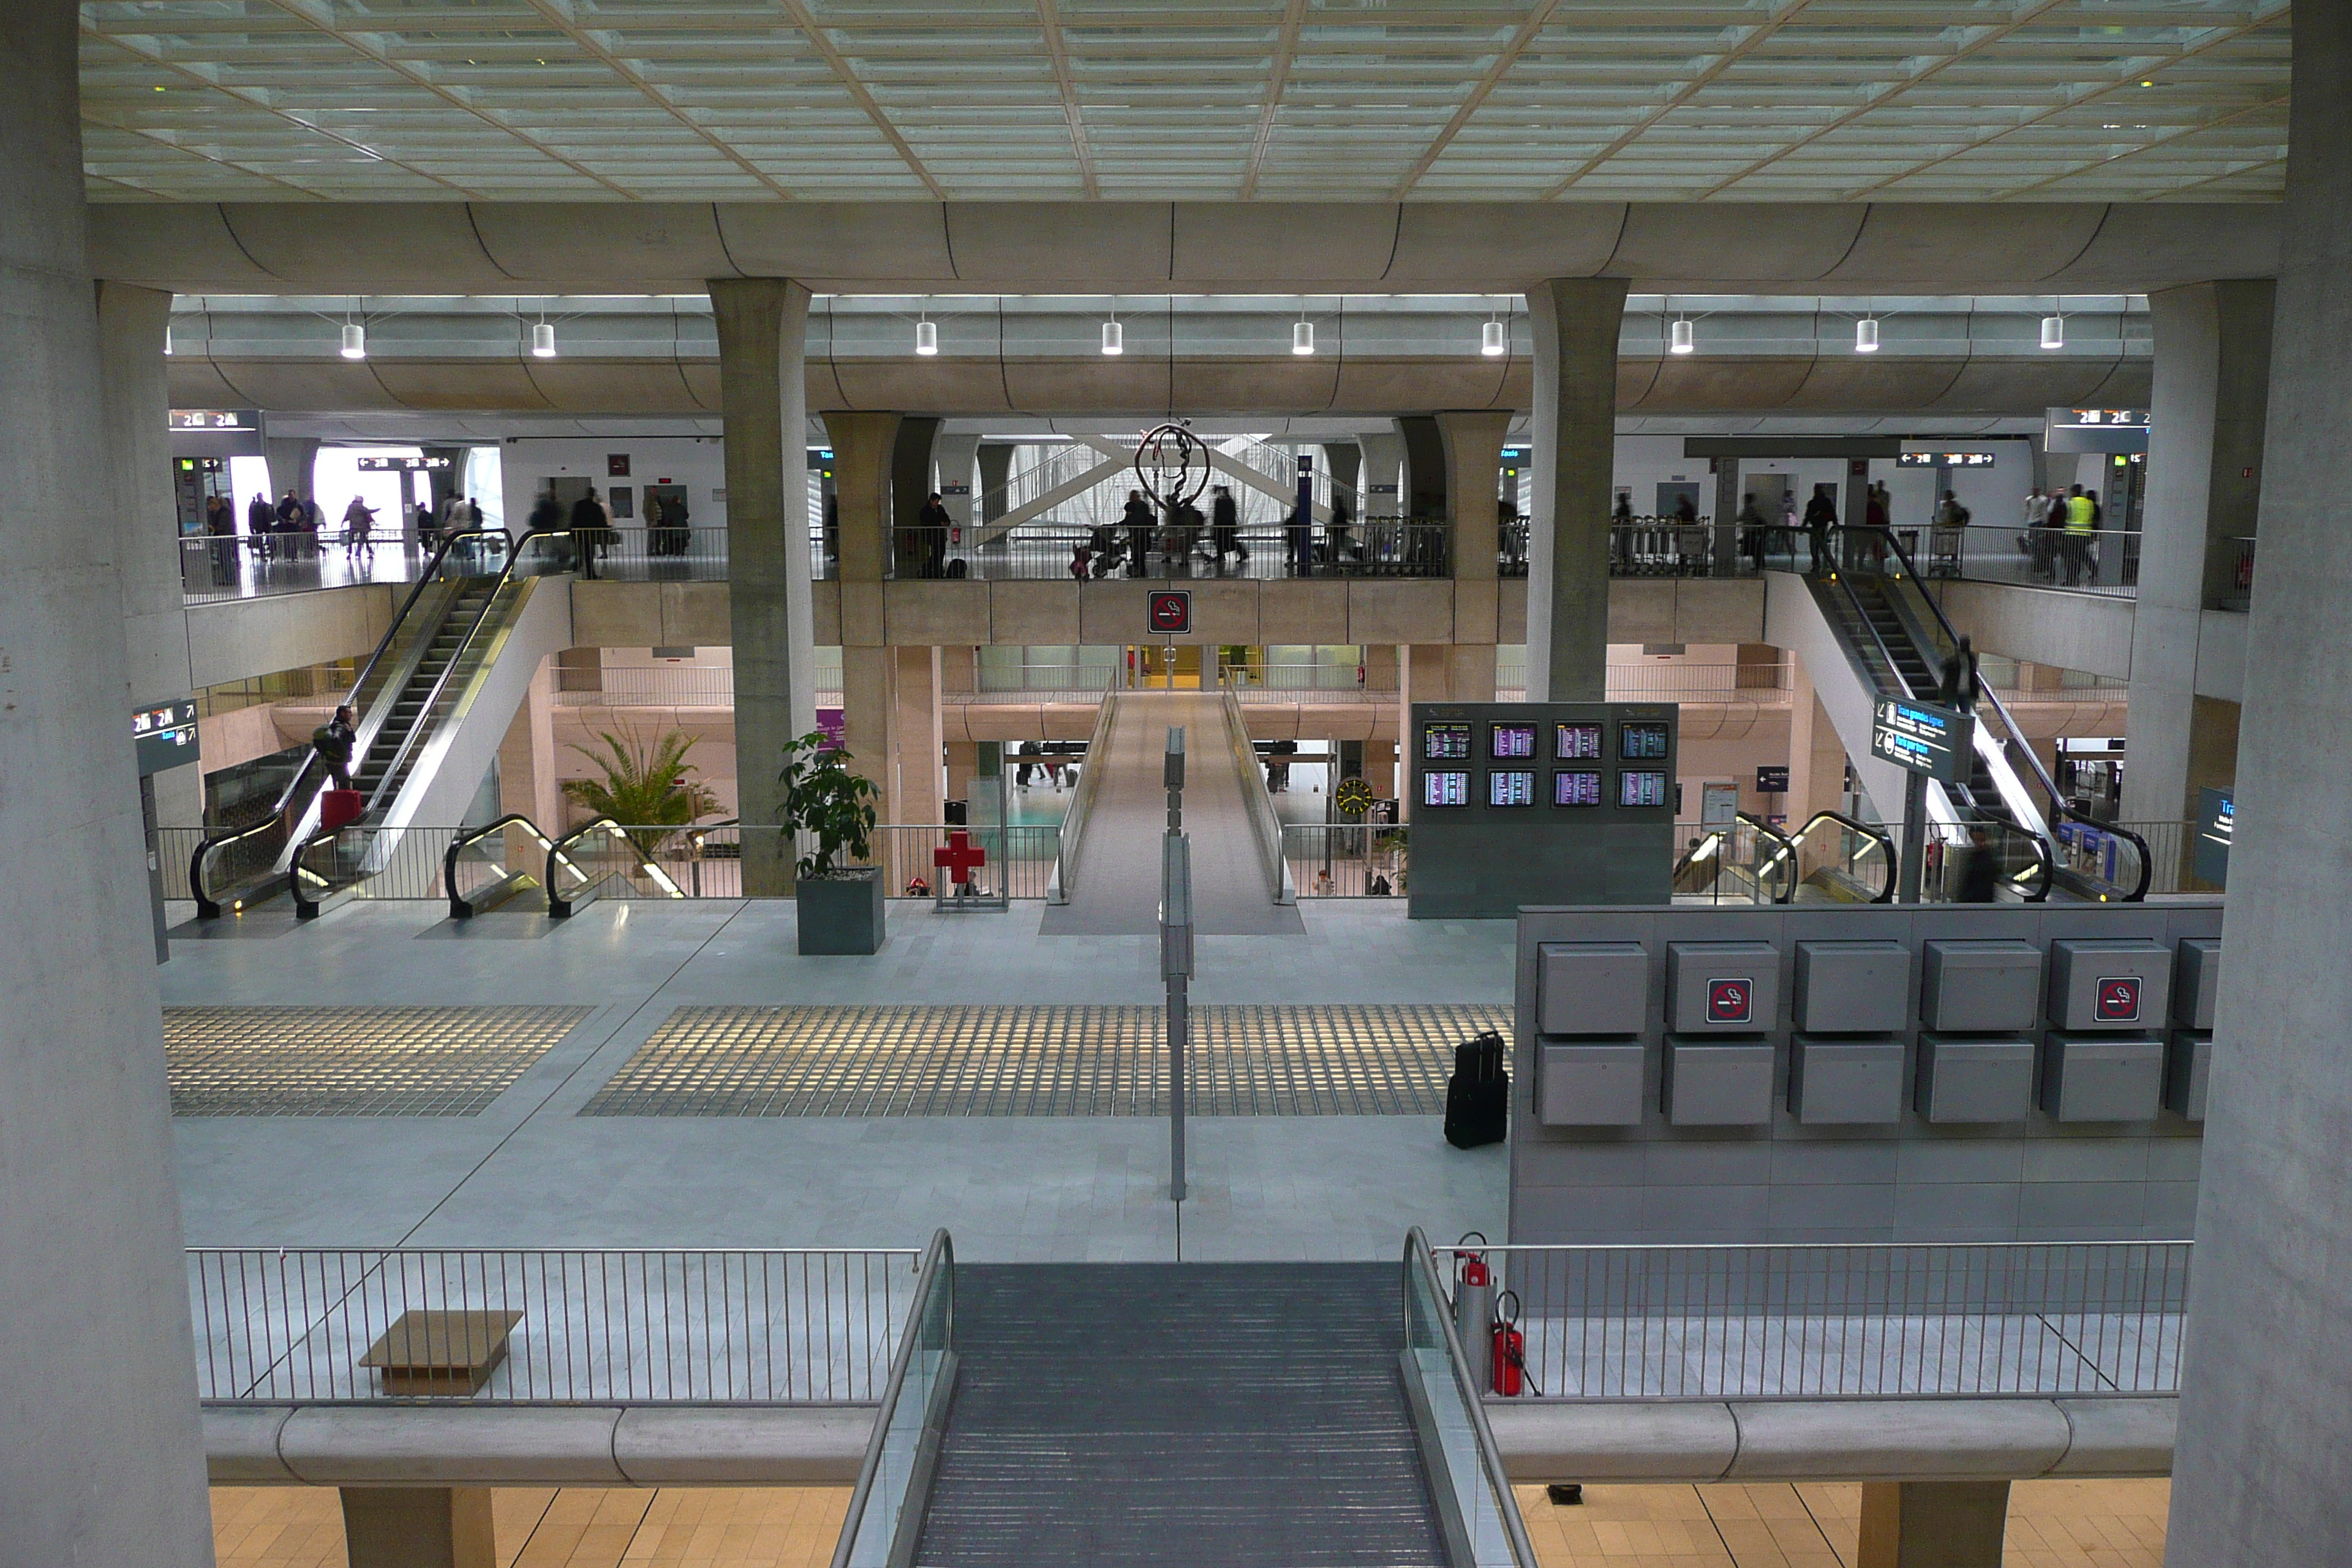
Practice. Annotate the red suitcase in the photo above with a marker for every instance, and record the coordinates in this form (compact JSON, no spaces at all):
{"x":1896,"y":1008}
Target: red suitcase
{"x":339,"y":808}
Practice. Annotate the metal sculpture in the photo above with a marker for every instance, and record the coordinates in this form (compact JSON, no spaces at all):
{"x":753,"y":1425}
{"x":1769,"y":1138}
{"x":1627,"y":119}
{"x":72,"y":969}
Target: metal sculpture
{"x":1172,"y":465}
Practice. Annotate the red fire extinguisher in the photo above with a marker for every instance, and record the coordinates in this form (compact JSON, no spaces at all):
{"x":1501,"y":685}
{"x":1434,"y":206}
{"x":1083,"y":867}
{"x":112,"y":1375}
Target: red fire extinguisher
{"x":1510,"y":1348}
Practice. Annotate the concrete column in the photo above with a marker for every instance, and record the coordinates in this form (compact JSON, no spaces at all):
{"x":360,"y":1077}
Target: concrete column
{"x":954,"y":455}
{"x":1384,"y":467}
{"x":1469,"y":671}
{"x":101,"y":1457}
{"x":915,"y":739}
{"x":2262,"y":1469}
{"x":527,"y":771}
{"x":863,"y":448}
{"x":2204,"y":481}
{"x":1380,"y":768}
{"x":291,"y":459}
{"x":963,"y":762}
{"x":1932,"y":1524}
{"x":1817,"y":759}
{"x":1344,"y":461}
{"x":418,"y":1527}
{"x":1381,"y":666}
{"x":869,"y":704}
{"x":1422,"y":670}
{"x":910,"y":486}
{"x":1422,"y":491}
{"x":1576,"y":322}
{"x":995,"y":459}
{"x":762,"y":350}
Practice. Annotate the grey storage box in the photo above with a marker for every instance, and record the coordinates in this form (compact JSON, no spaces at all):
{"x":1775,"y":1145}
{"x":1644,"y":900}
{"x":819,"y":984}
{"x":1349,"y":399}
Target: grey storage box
{"x":1592,"y":988}
{"x":2187,"y":1066}
{"x":2197,"y":981}
{"x":2099,"y":1077}
{"x":1974,"y":1081}
{"x":1588,"y":1085}
{"x":1714,"y":1083}
{"x":1852,"y":988}
{"x":1722,"y":987}
{"x":1979,"y":987}
{"x":1840,"y":1082}
{"x":2122,"y":984}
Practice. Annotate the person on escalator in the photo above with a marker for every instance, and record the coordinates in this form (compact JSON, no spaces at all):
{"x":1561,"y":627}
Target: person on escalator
{"x":1878,"y":526}
{"x":1978,"y":874}
{"x":1960,"y":685}
{"x":1755,"y":533}
{"x":334,"y":741}
{"x":1821,"y":516}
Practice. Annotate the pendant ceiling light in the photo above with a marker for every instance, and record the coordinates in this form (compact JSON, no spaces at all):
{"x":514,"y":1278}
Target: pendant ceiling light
{"x":1302,"y":336}
{"x":1494,"y":341}
{"x":542,"y":341}
{"x":1114,"y":338}
{"x":1683,"y":342}
{"x":355,"y":340}
{"x":2053,"y":331}
{"x":926,"y":336}
{"x":1865,"y":335}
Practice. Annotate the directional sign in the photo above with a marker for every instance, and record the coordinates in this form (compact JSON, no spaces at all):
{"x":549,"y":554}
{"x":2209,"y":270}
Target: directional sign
{"x":2119,"y":999}
{"x":164,"y":735}
{"x":2217,"y":828}
{"x":1922,"y":737}
{"x":1170,"y":612}
{"x":1729,"y":1001}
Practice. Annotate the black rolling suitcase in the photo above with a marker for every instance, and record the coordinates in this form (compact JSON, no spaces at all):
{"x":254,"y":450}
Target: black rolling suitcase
{"x":1478,"y":1096}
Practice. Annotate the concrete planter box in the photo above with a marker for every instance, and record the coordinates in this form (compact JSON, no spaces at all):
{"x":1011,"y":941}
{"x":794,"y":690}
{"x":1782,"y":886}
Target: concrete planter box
{"x":842,"y":914}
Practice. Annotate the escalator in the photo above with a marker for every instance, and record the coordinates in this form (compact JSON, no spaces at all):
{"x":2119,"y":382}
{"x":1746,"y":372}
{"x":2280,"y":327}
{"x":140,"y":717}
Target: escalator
{"x":1832,"y":858}
{"x":456,"y":657}
{"x":1896,"y":639}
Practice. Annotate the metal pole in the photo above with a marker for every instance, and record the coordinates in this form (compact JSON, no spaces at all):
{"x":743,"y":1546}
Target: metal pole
{"x":1915,"y":838}
{"x":1176,"y":950}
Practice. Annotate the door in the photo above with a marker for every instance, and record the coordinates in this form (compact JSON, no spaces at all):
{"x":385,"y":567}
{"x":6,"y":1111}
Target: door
{"x":1151,"y":667}
{"x":1672,"y":493}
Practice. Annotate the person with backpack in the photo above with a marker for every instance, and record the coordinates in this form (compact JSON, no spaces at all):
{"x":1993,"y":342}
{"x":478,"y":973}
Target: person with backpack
{"x":335,"y":740}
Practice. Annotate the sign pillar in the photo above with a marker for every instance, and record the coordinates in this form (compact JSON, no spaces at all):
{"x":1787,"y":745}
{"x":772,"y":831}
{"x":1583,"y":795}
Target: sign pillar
{"x":1176,"y":950}
{"x":1915,"y":838}
{"x":1926,"y":740}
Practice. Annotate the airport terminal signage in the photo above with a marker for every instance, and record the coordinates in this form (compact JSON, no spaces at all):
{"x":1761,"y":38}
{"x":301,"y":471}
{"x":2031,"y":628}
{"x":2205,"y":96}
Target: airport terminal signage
{"x":216,"y":431}
{"x":2095,"y":430}
{"x":1923,"y":738}
{"x":403,"y":465}
{"x":1979,"y":460}
{"x":2217,"y":827}
{"x":165,"y":735}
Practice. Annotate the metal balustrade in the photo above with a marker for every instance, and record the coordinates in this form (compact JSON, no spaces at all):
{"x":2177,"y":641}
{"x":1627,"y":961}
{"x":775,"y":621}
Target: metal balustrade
{"x":1828,"y":1322}
{"x":672,"y":1325}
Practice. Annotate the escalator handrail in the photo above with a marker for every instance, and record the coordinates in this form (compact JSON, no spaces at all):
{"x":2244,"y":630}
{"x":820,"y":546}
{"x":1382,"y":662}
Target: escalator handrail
{"x":310,"y":765}
{"x":1862,"y":620}
{"x":468,"y":836}
{"x":936,"y":1272}
{"x":416,"y":727}
{"x":1418,"y":1256}
{"x":558,"y":854}
{"x":1885,"y":843}
{"x":1789,"y":854}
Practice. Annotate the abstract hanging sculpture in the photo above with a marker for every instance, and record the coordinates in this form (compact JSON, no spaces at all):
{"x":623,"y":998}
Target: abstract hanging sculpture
{"x":1172,"y":465}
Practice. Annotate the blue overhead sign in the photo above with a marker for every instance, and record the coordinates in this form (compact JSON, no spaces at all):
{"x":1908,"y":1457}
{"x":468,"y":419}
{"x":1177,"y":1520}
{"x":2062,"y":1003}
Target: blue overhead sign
{"x":2217,"y":828}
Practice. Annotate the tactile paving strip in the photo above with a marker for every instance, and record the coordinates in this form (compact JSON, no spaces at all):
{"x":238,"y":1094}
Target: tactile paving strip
{"x":352,"y":1061}
{"x":1290,"y":1060}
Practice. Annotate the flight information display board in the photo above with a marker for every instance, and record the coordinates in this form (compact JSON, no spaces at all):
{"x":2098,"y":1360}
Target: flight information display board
{"x":1575,"y":805}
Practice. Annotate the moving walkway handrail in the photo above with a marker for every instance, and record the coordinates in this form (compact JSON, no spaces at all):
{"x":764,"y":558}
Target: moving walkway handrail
{"x":1787,"y":856}
{"x":463,"y":908}
{"x":560,"y":857}
{"x":1265,"y":825}
{"x":897,"y":1538}
{"x":1082,"y":804}
{"x":1420,"y":1267}
{"x":1884,"y":841}
{"x":1719,"y":840}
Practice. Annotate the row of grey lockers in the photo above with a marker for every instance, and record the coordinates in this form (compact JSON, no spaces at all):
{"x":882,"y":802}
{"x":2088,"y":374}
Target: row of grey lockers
{"x":2094,"y":984}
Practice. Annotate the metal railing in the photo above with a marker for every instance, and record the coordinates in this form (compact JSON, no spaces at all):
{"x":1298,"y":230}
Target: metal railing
{"x":1345,"y":860}
{"x":1861,"y":1321}
{"x":1746,"y":861}
{"x":366,"y":1326}
{"x":1475,"y":1502}
{"x":647,"y":684}
{"x":886,"y":1510}
{"x":1266,"y":827}
{"x":602,"y":859}
{"x":1074,"y":820}
{"x":1368,"y":547}
{"x":640,"y":554}
{"x":2104,"y":563}
{"x":1021,"y":860}
{"x":254,"y":566}
{"x":2238,"y":593}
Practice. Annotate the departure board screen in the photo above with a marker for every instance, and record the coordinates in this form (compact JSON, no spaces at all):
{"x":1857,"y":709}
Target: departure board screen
{"x":1576,"y":786}
{"x":1511,"y":787}
{"x":1515,"y":740}
{"x":1640,"y":743}
{"x":1577,"y":742}
{"x":1641,"y":786}
{"x":1445,"y":742}
{"x":1445,"y":789}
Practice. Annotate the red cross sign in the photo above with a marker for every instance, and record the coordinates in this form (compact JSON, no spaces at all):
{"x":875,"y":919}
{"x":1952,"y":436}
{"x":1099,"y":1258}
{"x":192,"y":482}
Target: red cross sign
{"x":2118,"y":1000}
{"x":961,"y":858}
{"x":1729,"y":1001}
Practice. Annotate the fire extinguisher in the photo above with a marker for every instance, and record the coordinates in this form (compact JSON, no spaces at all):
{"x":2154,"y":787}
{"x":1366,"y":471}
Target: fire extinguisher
{"x":1510,"y":1353}
{"x":1473,"y":1292}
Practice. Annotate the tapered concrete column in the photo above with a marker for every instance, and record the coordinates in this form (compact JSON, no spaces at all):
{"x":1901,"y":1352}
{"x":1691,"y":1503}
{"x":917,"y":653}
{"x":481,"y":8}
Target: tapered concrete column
{"x":763,"y":349}
{"x":1817,"y":759}
{"x":527,"y":774}
{"x":2263,"y":1470}
{"x":136,"y":400}
{"x":869,"y":714}
{"x":1344,"y":461}
{"x":1932,"y":1524}
{"x":954,"y":455}
{"x":101,"y":1460}
{"x":911,"y":455}
{"x":995,"y":461}
{"x":1576,"y":322}
{"x":1384,"y":484}
{"x":863,"y":448}
{"x":2204,"y":479}
{"x":292,"y":458}
{"x":915,"y":739}
{"x":418,"y":1527}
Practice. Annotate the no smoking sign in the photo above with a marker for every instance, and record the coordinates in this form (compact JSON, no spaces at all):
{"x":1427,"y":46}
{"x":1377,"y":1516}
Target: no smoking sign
{"x":2118,"y":1001}
{"x":1170,"y":612}
{"x":1730,"y":1001}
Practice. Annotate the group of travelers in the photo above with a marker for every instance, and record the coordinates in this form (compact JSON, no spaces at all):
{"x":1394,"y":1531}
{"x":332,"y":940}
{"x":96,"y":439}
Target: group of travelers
{"x":2061,"y":533}
{"x":1176,"y":535}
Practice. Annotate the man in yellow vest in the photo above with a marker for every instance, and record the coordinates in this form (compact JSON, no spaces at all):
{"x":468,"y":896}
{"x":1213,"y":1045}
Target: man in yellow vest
{"x":2082,"y":521}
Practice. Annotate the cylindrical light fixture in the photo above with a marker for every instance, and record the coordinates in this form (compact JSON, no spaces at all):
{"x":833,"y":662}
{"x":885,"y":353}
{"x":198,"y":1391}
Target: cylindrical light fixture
{"x":355,"y":340}
{"x":1302,"y":337}
{"x":2053,"y":331}
{"x":167,"y":340}
{"x":1683,"y":342}
{"x":542,"y":341}
{"x":1114,"y":338}
{"x":927,"y":337}
{"x":1494,"y":341}
{"x":1865,"y":335}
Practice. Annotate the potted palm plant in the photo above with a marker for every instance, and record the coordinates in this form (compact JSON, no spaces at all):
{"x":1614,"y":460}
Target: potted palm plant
{"x":821,"y":801}
{"x":648,"y":788}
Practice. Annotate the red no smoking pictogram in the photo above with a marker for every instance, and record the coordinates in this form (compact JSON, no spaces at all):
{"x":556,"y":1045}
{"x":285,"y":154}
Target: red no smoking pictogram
{"x":1171,"y":611}
{"x":2118,"y":1000}
{"x":1729,"y":1001}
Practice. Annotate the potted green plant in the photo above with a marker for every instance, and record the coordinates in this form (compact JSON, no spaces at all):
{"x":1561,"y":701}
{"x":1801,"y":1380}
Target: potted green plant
{"x":841,"y":908}
{"x":647,"y":787}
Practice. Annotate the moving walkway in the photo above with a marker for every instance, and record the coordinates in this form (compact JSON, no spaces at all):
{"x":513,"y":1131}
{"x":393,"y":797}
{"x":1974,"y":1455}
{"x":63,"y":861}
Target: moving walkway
{"x":1832,"y":858}
{"x":432,"y":704}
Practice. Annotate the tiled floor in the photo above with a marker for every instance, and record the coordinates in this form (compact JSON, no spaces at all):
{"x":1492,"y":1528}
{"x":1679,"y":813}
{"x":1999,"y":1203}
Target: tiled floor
{"x":2052,"y":1524}
{"x":352,"y":1061}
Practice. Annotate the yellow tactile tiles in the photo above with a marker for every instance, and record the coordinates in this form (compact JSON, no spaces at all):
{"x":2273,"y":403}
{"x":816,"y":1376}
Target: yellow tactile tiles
{"x":2052,"y":1524}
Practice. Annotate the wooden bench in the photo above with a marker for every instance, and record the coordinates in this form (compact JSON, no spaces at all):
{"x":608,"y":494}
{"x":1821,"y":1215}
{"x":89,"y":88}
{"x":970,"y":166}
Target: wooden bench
{"x":441,"y":1352}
